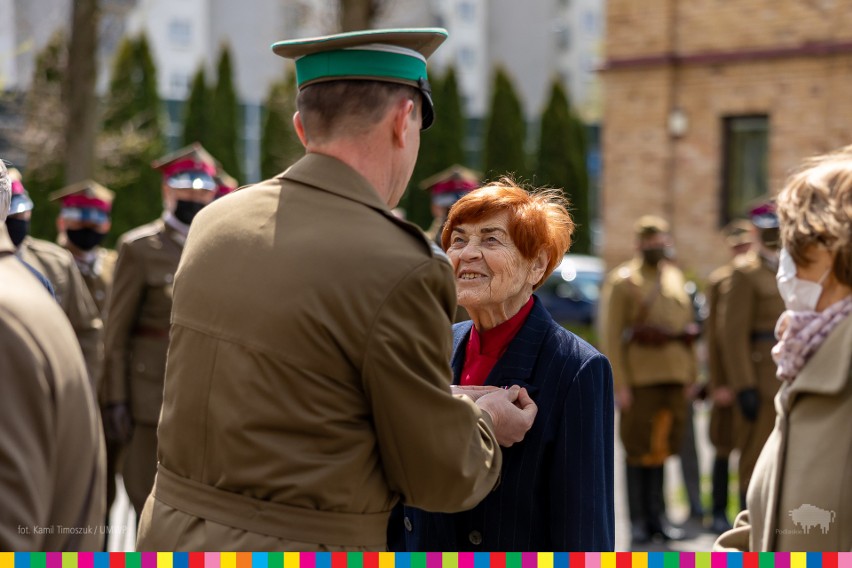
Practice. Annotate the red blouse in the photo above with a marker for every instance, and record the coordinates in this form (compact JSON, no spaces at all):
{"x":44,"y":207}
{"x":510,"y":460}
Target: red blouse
{"x":485,"y":349}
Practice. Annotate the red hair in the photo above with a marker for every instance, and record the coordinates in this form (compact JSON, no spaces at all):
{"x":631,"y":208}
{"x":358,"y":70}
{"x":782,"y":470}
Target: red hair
{"x":538,"y":220}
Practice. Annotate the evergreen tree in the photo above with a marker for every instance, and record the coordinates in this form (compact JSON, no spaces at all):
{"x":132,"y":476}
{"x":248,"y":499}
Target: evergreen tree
{"x":562,"y":161}
{"x":223,"y":132}
{"x":279,"y":145}
{"x":195,"y":125}
{"x":505,"y":132}
{"x":43,"y":137}
{"x":440,"y":147}
{"x":131,"y":138}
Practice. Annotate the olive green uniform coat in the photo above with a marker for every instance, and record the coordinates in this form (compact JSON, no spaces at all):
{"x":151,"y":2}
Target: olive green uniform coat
{"x":307,"y":387}
{"x":58,"y":266}
{"x":51,"y":450}
{"x":137,"y":340}
{"x":721,"y":428}
{"x":751,"y":308}
{"x":800,"y":497}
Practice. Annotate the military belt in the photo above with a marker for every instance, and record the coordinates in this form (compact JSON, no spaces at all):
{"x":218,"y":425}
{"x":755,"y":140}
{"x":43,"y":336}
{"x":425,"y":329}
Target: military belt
{"x":758,"y":336}
{"x":266,"y":517}
{"x":151,"y":332}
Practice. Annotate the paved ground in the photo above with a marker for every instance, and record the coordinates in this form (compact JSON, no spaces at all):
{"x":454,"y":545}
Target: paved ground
{"x":123,"y":519}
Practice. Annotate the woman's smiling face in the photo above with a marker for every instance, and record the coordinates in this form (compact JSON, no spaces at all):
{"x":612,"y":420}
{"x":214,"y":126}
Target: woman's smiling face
{"x":489,"y":269}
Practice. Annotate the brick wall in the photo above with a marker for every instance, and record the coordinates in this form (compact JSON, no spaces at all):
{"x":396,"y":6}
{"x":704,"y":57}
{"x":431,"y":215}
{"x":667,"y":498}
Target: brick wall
{"x":805,"y":96}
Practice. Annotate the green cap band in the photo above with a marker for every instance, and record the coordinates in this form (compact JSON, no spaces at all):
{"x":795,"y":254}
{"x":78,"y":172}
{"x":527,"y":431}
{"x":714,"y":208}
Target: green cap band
{"x":359,"y":63}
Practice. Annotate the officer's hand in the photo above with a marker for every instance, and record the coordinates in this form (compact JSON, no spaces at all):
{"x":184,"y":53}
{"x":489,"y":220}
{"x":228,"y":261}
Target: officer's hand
{"x":749,"y":401}
{"x":118,"y":424}
{"x":512,"y":412}
{"x":723,"y":397}
{"x":624,"y":398}
{"x":473,"y":392}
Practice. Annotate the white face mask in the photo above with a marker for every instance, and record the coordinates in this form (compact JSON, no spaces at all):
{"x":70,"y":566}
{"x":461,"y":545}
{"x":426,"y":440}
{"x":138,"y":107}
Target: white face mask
{"x":798,"y":295}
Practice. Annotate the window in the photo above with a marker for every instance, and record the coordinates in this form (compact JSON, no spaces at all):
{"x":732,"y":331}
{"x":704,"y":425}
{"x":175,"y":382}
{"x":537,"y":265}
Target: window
{"x":179,"y":85}
{"x":467,"y":11}
{"x":180,"y":33}
{"x":467,"y":56}
{"x":744,"y":171}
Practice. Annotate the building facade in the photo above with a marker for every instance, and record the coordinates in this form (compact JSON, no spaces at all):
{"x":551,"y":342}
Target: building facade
{"x":708,"y":106}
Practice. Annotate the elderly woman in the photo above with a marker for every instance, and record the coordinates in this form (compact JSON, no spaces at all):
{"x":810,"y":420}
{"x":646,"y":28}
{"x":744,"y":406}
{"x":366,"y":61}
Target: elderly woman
{"x":556,"y":489}
{"x":800,"y":495}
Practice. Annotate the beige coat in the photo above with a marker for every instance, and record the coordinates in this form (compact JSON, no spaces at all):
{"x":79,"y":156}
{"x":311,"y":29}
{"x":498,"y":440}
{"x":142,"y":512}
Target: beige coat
{"x":625,"y":289}
{"x":721,"y":428}
{"x":51,"y":450}
{"x":800,"y":496}
{"x":307,"y":386}
{"x":58,"y":266}
{"x":137,"y":330}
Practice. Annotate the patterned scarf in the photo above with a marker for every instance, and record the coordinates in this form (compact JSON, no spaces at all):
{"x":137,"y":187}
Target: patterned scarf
{"x":800,"y":335}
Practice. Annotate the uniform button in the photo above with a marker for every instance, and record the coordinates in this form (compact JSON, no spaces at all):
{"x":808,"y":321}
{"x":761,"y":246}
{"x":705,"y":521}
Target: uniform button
{"x":407,"y":523}
{"x":99,"y":295}
{"x":475,"y":537}
{"x":169,"y":278}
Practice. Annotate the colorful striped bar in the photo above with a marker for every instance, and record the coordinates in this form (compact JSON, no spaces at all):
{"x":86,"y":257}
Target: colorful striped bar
{"x":425,"y":560}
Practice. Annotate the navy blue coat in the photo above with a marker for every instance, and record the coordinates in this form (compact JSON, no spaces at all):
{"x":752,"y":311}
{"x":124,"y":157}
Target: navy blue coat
{"x":556,"y":486}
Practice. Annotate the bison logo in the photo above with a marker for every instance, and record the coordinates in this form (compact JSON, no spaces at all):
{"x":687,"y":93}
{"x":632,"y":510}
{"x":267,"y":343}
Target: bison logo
{"x":808,"y":516}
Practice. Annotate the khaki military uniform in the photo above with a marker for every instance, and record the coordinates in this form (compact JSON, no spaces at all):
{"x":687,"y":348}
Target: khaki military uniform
{"x":51,"y":450}
{"x":58,"y":266}
{"x":137,"y":340}
{"x":721,"y":428}
{"x":752,"y":306}
{"x":636,"y":294}
{"x":307,"y":387}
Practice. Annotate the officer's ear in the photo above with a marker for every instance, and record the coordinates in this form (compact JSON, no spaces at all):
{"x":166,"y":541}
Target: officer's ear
{"x":300,"y":129}
{"x":402,"y":121}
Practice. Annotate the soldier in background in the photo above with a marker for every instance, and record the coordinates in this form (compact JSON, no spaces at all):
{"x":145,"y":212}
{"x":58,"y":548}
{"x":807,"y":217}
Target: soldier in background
{"x":738,"y":236}
{"x":51,"y":450}
{"x":83,"y":223}
{"x":647,"y":332}
{"x":58,"y":266}
{"x":137,"y":331}
{"x":445,"y":188}
{"x":751,"y":306}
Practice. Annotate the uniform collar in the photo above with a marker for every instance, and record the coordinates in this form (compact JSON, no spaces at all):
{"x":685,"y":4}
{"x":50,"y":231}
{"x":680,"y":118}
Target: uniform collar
{"x":334,"y":176}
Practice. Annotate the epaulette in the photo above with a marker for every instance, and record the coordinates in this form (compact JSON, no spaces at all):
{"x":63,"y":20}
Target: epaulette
{"x":49,"y":248}
{"x":439,"y":252}
{"x":147,"y":230}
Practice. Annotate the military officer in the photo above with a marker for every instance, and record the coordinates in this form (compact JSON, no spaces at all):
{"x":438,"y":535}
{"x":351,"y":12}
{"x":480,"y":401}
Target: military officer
{"x":751,"y":306}
{"x":647,"y":332}
{"x":58,"y":266}
{"x":51,"y":450}
{"x":738,"y":237}
{"x":308,"y":381}
{"x":445,"y":188}
{"x":137,"y":331}
{"x":83,"y":223}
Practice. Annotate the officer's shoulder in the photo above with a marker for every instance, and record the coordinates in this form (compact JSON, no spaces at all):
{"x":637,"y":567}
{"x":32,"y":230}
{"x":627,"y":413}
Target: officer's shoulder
{"x":721,"y":273}
{"x":420,"y":245}
{"x":48,"y":250}
{"x":622,"y":273}
{"x":746,"y":263}
{"x":140,"y":234}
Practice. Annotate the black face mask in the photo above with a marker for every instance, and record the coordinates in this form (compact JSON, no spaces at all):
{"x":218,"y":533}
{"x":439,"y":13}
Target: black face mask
{"x":770,"y":238}
{"x":653,"y":256}
{"x":18,"y":229}
{"x":185,"y":211}
{"x":85,"y":239}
